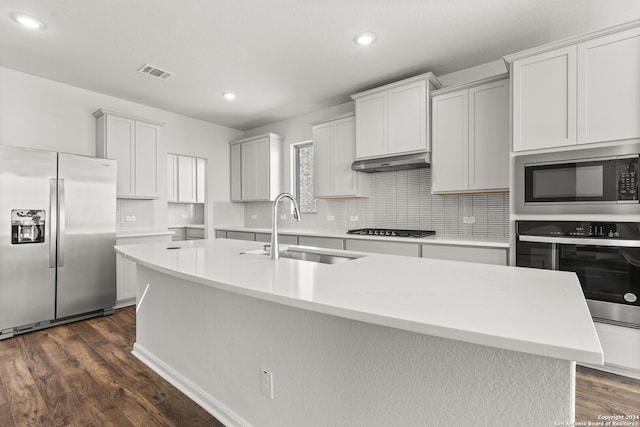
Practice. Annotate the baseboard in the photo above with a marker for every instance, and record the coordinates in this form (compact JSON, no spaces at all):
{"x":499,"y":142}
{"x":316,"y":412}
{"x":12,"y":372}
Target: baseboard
{"x":125,"y":302}
{"x":615,"y":369}
{"x":195,"y":393}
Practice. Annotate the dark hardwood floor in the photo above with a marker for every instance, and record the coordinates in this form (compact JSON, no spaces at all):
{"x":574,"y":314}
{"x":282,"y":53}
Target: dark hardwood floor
{"x":82,"y":374}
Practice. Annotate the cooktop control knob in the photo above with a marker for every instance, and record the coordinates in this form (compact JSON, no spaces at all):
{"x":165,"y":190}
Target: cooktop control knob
{"x":629,"y":297}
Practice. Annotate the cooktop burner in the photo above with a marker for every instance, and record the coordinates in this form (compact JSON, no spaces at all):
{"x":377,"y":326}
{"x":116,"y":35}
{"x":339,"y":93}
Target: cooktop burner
{"x":387,"y":232}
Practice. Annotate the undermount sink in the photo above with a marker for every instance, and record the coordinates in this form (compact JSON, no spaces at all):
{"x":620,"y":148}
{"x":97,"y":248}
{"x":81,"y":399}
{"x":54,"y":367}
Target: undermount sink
{"x":305,"y":253}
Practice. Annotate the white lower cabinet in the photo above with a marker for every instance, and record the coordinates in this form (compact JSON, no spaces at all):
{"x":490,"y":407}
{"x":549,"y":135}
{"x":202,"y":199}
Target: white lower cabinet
{"x":484,"y":255}
{"x":126,"y":270}
{"x":321,"y":242}
{"x":192,"y":233}
{"x":621,"y":347}
{"x":284,"y":239}
{"x":391,"y":248}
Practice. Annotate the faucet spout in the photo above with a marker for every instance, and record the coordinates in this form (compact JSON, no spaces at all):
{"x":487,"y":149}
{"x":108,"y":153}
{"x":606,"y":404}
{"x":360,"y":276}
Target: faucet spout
{"x":275,"y":249}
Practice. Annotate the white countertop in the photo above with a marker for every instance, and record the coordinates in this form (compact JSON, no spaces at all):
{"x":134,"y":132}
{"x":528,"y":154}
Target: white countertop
{"x":126,"y":234}
{"x":199,"y":226}
{"x":343,"y":235}
{"x":533,"y":311}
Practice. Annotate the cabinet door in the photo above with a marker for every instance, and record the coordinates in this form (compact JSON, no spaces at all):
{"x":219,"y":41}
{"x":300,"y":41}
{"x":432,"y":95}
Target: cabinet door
{"x":371,"y":125}
{"x":201,"y":174}
{"x":236,"y":172}
{"x":344,"y":179}
{"x":322,"y":159}
{"x":146,"y":159}
{"x":172,"y":177}
{"x":450,"y":141}
{"x":544,"y":100}
{"x":609,"y":87}
{"x":407,"y":119}
{"x":120,"y":146}
{"x":489,"y":136}
{"x":186,"y":179}
{"x":255,"y":170}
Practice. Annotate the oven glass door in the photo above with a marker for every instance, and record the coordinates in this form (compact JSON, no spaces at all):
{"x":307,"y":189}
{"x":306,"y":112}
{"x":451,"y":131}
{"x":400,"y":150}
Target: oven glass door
{"x":534,"y":255}
{"x":610,"y":274}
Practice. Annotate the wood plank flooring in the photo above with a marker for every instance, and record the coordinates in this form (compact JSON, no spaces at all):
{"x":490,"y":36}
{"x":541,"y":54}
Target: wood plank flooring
{"x":82,"y":374}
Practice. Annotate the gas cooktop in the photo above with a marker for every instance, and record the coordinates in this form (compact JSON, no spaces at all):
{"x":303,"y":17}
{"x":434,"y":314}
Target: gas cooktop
{"x":389,"y":232}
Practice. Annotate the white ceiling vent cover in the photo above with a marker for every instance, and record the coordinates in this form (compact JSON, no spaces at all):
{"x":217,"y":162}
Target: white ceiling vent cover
{"x":155,"y":71}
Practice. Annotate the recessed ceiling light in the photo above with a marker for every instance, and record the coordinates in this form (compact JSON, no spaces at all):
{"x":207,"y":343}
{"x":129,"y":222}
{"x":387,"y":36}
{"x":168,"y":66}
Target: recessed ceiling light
{"x":365,"y":39}
{"x":28,"y":21}
{"x":229,"y":96}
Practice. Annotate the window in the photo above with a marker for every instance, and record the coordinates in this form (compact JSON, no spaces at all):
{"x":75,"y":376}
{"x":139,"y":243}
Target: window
{"x":302,"y":169}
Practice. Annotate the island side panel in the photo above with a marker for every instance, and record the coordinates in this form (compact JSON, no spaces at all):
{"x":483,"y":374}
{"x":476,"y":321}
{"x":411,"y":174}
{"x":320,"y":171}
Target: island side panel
{"x":327,"y":370}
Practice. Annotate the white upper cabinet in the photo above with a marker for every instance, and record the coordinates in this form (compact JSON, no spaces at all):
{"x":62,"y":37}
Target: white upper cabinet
{"x":134,"y":143}
{"x":609,"y":87}
{"x":333,"y":154}
{"x":172,"y":177}
{"x":185,"y":179}
{"x":256,"y":164}
{"x":471,"y":138}
{"x":544,"y":100}
{"x":394,"y":119}
{"x":578,"y":91}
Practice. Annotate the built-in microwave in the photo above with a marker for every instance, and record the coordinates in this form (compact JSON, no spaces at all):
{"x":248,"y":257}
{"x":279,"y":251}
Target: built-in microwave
{"x":596,"y":181}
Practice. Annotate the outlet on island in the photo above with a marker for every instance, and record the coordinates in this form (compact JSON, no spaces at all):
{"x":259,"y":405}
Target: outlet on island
{"x":266,"y":378}
{"x":130,"y":218}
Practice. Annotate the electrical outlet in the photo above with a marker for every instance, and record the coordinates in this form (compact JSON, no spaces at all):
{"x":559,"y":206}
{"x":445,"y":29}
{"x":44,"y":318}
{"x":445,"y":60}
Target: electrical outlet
{"x":353,"y":218}
{"x":331,"y":217}
{"x":130,"y":218}
{"x":469,"y":219}
{"x":254,"y":216}
{"x":266,"y":383}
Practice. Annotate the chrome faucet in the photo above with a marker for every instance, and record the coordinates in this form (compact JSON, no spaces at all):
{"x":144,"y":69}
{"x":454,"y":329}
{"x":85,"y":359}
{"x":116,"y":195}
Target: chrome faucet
{"x":275,"y":249}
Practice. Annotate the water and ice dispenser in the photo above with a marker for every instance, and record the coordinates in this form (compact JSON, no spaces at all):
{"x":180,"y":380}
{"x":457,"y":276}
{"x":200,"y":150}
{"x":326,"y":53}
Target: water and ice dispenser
{"x":27,"y":226}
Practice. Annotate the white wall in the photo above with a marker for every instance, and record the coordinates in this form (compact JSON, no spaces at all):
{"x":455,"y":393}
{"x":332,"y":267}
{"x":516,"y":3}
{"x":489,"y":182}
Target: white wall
{"x":40,"y":113}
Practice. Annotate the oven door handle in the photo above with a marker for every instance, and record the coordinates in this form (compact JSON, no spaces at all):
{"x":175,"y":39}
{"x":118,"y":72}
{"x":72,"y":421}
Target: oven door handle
{"x":581,"y":241}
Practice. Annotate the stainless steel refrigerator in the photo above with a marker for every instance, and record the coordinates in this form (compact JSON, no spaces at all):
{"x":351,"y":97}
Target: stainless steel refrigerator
{"x":57,"y":232}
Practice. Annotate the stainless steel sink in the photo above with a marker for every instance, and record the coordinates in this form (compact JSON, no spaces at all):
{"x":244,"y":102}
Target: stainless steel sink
{"x":307,"y":253}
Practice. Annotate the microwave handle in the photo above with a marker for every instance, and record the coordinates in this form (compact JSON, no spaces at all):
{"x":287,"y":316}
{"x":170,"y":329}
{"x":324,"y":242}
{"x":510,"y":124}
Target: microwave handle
{"x":581,"y":241}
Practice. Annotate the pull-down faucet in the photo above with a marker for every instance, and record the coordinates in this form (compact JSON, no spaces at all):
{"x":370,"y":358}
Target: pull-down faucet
{"x":275,"y":249}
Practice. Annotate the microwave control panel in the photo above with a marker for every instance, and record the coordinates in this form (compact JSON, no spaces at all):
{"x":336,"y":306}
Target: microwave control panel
{"x":628,"y":179}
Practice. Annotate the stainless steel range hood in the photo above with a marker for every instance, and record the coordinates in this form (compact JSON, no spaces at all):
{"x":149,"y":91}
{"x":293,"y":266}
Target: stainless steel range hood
{"x":394,"y":163}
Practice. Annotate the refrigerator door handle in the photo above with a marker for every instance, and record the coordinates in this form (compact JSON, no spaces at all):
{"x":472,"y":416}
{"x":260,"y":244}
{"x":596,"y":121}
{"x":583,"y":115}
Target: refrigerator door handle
{"x":61,"y":222}
{"x":53,"y":219}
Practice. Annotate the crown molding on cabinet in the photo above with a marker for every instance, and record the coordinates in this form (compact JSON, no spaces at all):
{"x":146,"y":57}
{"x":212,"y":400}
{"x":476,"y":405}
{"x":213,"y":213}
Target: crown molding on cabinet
{"x":471,"y":84}
{"x":425,"y":76}
{"x":509,"y":59}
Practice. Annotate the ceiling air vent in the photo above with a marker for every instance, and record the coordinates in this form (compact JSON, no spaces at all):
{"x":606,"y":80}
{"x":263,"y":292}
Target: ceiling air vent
{"x":155,"y":71}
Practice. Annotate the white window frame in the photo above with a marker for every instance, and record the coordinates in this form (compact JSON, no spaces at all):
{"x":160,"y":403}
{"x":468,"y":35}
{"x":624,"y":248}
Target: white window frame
{"x":293,"y":167}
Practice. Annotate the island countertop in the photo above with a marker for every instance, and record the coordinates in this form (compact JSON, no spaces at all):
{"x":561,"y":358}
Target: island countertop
{"x":533,"y":311}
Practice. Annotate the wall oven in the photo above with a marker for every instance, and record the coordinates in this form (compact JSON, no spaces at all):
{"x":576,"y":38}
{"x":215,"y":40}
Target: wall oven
{"x":604,"y":255}
{"x":595,"y":180}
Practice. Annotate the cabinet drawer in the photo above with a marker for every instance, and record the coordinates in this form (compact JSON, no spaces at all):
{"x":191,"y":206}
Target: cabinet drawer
{"x":240,"y":235}
{"x":194,"y":233}
{"x":321,"y":242}
{"x":285,"y":239}
{"x":497,"y":256}
{"x":390,"y":248}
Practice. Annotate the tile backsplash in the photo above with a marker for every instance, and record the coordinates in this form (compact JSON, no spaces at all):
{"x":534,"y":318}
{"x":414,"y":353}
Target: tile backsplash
{"x":400,"y":199}
{"x":134,"y":215}
{"x":185,"y":213}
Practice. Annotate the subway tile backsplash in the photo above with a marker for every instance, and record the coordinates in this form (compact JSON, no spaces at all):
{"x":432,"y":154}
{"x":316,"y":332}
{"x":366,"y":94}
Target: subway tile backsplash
{"x":185,"y":213}
{"x":401,"y":199}
{"x":134,"y":215}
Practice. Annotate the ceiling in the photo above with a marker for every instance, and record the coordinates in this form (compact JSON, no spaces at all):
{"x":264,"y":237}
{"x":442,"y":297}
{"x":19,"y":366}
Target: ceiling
{"x":283,"y":58}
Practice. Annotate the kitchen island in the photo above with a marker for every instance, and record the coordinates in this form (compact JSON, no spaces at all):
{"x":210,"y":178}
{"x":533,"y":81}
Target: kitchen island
{"x":378,"y":340}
